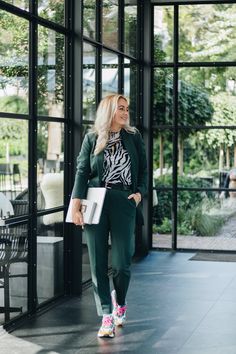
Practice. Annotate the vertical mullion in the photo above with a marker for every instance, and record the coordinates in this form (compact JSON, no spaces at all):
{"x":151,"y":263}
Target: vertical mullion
{"x":175,"y":135}
{"x":98,"y":59}
{"x":68,"y":149}
{"x":32,"y":165}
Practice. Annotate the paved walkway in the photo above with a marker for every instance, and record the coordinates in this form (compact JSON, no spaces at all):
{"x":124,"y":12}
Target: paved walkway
{"x":224,"y":240}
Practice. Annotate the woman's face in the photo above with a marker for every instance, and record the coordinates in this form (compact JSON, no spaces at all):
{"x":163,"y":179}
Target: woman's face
{"x":121,"y":116}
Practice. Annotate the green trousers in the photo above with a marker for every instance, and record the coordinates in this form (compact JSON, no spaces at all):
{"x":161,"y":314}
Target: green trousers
{"x":118,"y":221}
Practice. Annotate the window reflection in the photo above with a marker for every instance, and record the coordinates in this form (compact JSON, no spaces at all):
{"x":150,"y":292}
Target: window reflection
{"x":162,"y":219}
{"x":89,"y":18}
{"x":14,"y":73}
{"x":14,"y":165}
{"x":130,"y":89}
{"x":13,"y":271}
{"x":50,"y":261}
{"x":130,"y":23}
{"x":109,"y":73}
{"x":163,"y":33}
{"x":163,"y":97}
{"x":89,"y":94}
{"x":162,"y":158}
{"x":50,"y":73}
{"x":50,"y":153}
{"x":110,"y":23}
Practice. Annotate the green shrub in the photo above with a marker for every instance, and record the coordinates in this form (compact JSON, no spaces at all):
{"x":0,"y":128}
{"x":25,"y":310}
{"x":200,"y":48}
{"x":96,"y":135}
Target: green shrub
{"x":205,"y":224}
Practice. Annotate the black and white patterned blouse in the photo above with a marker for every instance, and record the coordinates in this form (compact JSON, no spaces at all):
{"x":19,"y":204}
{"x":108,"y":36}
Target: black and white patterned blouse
{"x":117,"y":164}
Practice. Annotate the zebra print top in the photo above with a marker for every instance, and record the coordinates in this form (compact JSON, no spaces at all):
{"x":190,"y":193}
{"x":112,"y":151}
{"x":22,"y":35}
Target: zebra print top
{"x":117,"y":164}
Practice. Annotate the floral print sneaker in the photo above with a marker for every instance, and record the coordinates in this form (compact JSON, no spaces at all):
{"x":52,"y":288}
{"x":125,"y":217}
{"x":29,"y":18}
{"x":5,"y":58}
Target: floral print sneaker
{"x":107,"y":328}
{"x":119,"y":312}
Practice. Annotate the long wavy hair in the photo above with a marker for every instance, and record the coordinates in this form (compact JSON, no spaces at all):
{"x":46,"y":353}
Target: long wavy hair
{"x":104,"y":116}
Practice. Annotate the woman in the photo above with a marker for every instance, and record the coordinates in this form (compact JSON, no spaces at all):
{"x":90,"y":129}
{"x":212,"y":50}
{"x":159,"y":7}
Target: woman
{"x":112,"y":155}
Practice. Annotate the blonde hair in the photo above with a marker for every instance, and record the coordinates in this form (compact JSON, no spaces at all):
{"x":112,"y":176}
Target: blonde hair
{"x":104,"y":116}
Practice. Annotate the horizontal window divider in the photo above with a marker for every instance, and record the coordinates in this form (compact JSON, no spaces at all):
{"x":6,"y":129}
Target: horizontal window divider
{"x":51,"y":210}
{"x":191,"y":2}
{"x":206,"y":127}
{"x":203,"y":189}
{"x":52,"y":119}
{"x":179,"y":188}
{"x":196,"y":127}
{"x":14,"y":115}
{"x":17,"y":220}
{"x":195,"y":64}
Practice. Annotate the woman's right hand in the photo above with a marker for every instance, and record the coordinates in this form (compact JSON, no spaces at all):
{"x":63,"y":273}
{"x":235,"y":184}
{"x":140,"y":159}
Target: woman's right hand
{"x":77,"y":216}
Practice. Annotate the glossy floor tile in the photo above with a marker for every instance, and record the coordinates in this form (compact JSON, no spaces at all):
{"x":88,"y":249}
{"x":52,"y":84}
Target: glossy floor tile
{"x":175,"y":306}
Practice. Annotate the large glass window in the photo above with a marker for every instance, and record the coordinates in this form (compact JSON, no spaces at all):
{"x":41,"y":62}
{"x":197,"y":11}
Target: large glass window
{"x":31,"y":154}
{"x":194,"y":111}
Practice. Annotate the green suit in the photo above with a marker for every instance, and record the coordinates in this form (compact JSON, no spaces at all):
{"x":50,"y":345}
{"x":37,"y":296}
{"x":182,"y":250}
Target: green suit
{"x":117,"y":219}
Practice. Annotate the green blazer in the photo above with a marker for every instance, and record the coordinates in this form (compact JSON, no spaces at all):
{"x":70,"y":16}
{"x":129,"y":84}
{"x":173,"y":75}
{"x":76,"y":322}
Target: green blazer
{"x":90,"y":166}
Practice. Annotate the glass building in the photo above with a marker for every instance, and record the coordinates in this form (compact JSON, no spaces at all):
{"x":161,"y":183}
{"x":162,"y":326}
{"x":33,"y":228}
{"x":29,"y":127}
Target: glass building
{"x":57,"y":60}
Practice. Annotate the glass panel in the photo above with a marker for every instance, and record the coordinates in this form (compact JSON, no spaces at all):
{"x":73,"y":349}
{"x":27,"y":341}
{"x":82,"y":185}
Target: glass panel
{"x":52,"y":10}
{"x":110,"y":23}
{"x":89,"y":89}
{"x":89,"y":18}
{"x":50,"y":73}
{"x":130,"y":24}
{"x":50,"y":278}
{"x":163,"y":97}
{"x":14,"y":263}
{"x":22,"y":4}
{"x":14,"y":166}
{"x":204,"y":155}
{"x":50,"y":154}
{"x":14,"y":71}
{"x":130,"y":89}
{"x":163,"y":33}
{"x":207,"y":96}
{"x":213,"y":32}
{"x":162,"y":224}
{"x":205,"y":221}
{"x":109,"y":73}
{"x":162,"y":158}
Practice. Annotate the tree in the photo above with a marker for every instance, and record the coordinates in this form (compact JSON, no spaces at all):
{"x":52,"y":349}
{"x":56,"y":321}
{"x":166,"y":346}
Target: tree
{"x":218,"y":139}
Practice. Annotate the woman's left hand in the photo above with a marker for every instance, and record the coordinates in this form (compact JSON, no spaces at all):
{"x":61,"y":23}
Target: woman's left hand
{"x":136,"y":196}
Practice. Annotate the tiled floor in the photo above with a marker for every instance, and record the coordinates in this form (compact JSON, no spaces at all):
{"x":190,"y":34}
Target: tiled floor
{"x":176,"y":306}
